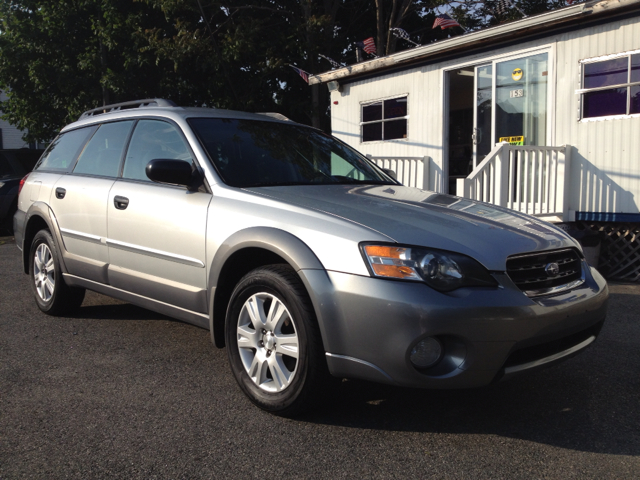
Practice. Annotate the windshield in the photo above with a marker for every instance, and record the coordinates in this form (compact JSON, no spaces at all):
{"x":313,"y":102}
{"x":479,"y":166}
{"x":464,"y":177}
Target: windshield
{"x":252,"y":153}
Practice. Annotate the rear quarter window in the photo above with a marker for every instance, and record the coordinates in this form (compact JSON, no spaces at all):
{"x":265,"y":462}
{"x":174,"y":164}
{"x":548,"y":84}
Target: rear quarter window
{"x":63,"y":151}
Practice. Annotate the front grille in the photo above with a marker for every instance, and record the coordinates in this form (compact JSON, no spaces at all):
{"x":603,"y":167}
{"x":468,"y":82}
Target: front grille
{"x":530,"y":272}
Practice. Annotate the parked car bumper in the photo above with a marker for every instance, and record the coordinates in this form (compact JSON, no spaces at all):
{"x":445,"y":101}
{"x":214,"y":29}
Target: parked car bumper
{"x":5,"y":204}
{"x":370,"y":326}
{"x":19,"y":220}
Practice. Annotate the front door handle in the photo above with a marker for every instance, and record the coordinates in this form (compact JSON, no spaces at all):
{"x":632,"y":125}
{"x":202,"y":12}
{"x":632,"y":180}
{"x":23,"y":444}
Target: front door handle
{"x":120,"y":202}
{"x":60,"y":193}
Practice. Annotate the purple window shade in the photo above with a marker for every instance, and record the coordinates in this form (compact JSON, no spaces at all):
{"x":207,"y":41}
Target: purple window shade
{"x":635,"y":99}
{"x":609,"y":72}
{"x":635,"y":68}
{"x":604,"y":103}
{"x":372,"y":112}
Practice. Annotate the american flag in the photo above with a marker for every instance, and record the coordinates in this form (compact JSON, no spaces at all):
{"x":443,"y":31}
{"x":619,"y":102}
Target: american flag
{"x":302,"y":73}
{"x":445,"y":21}
{"x":369,"y":45}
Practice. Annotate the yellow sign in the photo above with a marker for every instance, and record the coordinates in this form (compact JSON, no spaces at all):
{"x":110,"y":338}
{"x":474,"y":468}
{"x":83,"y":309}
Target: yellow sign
{"x":517,"y":74}
{"x":512,"y":140}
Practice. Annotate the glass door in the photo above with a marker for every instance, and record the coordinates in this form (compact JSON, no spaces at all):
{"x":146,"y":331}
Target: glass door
{"x":482,"y":131}
{"x":521,"y":100}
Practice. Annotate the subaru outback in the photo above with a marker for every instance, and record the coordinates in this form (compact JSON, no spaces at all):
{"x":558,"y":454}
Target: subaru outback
{"x":298,"y":254}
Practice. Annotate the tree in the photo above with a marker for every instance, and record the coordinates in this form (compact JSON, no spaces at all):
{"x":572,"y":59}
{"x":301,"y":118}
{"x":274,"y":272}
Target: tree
{"x":60,"y":58}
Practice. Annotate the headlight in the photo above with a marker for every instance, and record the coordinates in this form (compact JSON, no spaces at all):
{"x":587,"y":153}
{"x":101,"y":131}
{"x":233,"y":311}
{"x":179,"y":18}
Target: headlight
{"x":442,"y":270}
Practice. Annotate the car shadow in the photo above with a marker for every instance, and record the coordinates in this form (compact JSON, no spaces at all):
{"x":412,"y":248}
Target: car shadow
{"x":555,"y":407}
{"x":589,"y":403}
{"x":100,"y":307}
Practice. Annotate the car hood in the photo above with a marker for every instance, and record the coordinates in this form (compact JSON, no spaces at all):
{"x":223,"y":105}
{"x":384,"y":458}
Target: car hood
{"x":422,"y":218}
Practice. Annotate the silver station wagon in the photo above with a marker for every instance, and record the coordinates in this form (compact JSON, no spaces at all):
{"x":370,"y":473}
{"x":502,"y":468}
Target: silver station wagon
{"x":299,"y":255}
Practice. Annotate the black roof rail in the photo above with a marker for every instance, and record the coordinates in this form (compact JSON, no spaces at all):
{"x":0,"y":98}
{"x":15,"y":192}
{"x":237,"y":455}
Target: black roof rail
{"x":148,"y":102}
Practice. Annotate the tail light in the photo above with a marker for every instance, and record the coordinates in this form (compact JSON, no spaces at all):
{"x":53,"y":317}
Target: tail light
{"x":22,"y":182}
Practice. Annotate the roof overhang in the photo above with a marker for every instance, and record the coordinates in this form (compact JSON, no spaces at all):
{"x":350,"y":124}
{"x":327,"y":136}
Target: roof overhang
{"x":519,"y":29}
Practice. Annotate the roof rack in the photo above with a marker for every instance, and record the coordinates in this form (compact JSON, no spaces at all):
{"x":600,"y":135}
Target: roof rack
{"x":148,"y":102}
{"x":275,"y":115}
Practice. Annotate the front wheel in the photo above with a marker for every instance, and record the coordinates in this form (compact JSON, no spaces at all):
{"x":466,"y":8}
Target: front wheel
{"x":53,"y":296}
{"x":274,"y":343}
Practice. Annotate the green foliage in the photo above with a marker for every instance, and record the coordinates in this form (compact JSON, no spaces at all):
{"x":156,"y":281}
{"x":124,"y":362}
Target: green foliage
{"x":61,"y":57}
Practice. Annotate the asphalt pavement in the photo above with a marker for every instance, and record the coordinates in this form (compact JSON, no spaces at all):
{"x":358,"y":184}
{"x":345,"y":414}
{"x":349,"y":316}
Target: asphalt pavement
{"x":121,"y":392}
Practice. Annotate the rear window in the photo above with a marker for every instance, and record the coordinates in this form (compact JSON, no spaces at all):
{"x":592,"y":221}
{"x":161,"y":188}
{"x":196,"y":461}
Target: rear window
{"x":102,"y":154}
{"x":63,"y":151}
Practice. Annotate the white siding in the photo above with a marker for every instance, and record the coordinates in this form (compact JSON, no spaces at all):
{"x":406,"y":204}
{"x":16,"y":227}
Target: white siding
{"x":424,"y":125}
{"x":11,"y":136}
{"x":605,"y":158}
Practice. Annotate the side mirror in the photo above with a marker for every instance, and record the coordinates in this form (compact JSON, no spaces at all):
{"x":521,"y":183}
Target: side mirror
{"x":390,"y":172}
{"x":174,"y":172}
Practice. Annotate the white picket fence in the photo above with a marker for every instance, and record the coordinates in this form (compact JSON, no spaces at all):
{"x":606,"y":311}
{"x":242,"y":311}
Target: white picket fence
{"x":529,"y":179}
{"x":410,"y":171}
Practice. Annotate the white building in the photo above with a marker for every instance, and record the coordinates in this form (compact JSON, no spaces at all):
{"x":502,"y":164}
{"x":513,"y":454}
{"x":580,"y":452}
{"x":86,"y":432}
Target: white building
{"x":11,"y":137}
{"x":563,"y":87}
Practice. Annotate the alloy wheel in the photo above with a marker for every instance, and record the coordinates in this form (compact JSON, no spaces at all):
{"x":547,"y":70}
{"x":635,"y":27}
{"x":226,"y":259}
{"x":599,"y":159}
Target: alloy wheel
{"x":268,"y":342}
{"x":44,"y":272}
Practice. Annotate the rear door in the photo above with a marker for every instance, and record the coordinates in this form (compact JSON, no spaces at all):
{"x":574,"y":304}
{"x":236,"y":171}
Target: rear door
{"x":79,"y":201}
{"x":157,"y":232}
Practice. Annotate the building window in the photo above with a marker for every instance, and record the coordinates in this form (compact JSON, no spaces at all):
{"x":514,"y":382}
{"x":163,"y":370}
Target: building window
{"x":611,"y":86}
{"x":384,"y":120}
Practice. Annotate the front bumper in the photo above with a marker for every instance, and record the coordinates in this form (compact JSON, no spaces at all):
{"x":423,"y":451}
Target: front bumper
{"x":369,"y":327}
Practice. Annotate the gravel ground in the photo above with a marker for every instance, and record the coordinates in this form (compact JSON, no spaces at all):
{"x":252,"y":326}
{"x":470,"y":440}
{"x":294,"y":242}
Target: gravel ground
{"x":122,"y":392}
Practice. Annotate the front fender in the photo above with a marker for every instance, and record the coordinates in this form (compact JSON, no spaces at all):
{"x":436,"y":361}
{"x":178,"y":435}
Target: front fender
{"x":279,"y":242}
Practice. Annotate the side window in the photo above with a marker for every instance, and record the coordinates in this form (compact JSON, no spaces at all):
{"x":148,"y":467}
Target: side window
{"x":384,"y":120}
{"x":63,"y":151}
{"x":102,"y":154}
{"x":153,"y":139}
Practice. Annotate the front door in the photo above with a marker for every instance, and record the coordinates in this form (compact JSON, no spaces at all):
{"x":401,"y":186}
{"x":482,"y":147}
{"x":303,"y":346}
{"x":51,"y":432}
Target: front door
{"x":506,"y":100}
{"x":482,"y":114}
{"x":157,"y":232}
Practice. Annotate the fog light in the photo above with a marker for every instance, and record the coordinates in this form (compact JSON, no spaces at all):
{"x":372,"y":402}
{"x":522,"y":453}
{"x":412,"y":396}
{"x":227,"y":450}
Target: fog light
{"x":426,"y":353}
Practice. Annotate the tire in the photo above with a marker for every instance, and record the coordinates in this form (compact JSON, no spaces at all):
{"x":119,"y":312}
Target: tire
{"x":53,"y":295}
{"x":273,"y":341}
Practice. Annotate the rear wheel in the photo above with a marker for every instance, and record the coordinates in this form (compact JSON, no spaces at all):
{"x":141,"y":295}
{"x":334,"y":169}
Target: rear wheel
{"x":53,"y":295}
{"x":273,"y":341}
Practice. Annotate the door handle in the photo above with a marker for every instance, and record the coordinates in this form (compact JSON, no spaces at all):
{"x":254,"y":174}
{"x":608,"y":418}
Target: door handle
{"x":120,"y":202}
{"x":60,"y":193}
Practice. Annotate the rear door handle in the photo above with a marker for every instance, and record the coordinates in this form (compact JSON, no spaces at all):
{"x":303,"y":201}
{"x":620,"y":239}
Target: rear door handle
{"x":60,"y":192}
{"x":121,"y":203}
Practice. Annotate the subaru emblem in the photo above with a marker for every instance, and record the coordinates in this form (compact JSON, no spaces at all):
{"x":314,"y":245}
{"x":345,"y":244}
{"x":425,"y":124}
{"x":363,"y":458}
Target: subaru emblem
{"x":552,"y":269}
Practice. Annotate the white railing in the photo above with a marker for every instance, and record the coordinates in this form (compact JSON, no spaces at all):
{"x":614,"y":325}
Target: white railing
{"x":410,"y":171}
{"x":528,"y":179}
